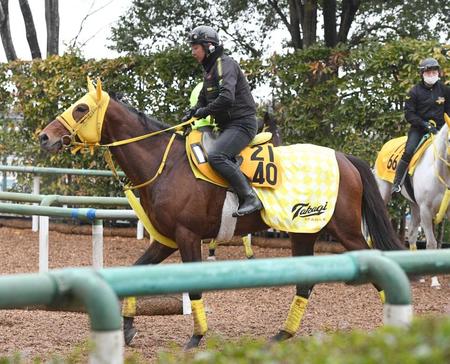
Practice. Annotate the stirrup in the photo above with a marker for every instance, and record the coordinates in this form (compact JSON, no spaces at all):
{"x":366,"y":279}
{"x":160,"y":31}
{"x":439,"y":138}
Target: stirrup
{"x":396,"y":189}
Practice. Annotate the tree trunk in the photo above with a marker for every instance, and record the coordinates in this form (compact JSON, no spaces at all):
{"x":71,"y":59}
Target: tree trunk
{"x":30,"y":29}
{"x":329,"y":22}
{"x":52,"y":21}
{"x":5,"y":31}
{"x":309,"y":22}
{"x":294,"y":15}
{"x":349,"y":9}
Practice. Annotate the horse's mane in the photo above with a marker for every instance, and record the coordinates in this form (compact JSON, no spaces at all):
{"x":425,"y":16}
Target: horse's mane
{"x":146,"y":121}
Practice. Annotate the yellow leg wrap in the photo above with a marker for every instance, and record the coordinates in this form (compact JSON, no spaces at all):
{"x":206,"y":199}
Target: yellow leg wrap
{"x":247,"y":246}
{"x":198,"y":312}
{"x":129,"y":307}
{"x":212,"y":244}
{"x":413,"y":247}
{"x":382,"y":296}
{"x":296,"y":312}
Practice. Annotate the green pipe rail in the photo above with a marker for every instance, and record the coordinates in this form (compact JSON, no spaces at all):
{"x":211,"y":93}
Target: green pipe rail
{"x":47,"y":170}
{"x":56,"y":288}
{"x":422,"y":262}
{"x":88,"y":214}
{"x":60,"y":287}
{"x":64,"y":200}
{"x":364,"y":266}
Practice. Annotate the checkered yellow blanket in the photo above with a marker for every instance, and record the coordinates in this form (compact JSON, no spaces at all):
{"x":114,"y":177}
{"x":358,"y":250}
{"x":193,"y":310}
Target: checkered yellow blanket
{"x":305,"y":201}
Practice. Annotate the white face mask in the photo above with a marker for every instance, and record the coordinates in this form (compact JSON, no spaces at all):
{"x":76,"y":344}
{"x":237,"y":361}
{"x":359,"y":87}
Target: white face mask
{"x":430,"y":80}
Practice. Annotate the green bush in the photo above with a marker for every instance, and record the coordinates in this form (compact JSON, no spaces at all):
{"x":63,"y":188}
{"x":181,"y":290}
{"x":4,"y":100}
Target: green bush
{"x":426,"y":341}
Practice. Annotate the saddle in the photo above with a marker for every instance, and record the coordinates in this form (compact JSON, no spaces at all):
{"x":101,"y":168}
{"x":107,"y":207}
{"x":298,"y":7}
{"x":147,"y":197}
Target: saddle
{"x":390,"y":154}
{"x":258,"y":161}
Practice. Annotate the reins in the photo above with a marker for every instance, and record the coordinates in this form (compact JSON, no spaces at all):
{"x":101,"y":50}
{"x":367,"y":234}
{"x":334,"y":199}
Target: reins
{"x":446,"y":198}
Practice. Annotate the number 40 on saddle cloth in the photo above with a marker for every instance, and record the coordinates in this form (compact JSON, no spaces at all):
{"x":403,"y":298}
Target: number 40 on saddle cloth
{"x":303,"y":181}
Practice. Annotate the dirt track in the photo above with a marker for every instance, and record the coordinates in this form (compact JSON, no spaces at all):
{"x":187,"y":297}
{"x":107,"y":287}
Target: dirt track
{"x":231,"y":314}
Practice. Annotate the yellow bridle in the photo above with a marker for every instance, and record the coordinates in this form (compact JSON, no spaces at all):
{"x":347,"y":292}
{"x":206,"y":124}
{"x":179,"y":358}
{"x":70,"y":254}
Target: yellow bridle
{"x":89,"y":128}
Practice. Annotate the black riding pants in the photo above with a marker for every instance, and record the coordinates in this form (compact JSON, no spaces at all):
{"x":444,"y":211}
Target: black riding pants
{"x":415,"y":135}
{"x":230,"y":142}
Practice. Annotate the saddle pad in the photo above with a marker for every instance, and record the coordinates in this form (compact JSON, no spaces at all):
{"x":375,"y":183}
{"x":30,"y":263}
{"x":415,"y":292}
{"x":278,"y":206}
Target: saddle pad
{"x":390,"y":154}
{"x":258,"y":162}
{"x":305,"y":201}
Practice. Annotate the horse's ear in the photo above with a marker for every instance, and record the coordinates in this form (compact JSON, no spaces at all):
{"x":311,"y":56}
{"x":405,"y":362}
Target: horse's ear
{"x":90,"y":85}
{"x":447,"y":119}
{"x":99,"y":89}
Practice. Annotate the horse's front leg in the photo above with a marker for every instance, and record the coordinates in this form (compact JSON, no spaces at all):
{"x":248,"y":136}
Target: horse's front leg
{"x":189,"y":245}
{"x":155,"y":254}
{"x":426,"y":219}
{"x":413,"y":227}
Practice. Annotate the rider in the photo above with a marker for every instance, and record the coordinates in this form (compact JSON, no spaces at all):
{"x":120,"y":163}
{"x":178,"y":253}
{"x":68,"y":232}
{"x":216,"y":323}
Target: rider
{"x":424,"y":110}
{"x":226,"y":97}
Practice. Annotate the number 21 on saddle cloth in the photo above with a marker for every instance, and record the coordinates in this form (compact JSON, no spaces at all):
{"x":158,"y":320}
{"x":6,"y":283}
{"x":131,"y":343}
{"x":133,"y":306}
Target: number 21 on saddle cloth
{"x":259,"y":162}
{"x":297,"y":184}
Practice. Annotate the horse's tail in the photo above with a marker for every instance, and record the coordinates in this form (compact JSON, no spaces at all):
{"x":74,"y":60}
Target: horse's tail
{"x":374,"y":211}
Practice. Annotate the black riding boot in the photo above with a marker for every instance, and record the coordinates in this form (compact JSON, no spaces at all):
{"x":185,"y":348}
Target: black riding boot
{"x":400,"y":174}
{"x":248,"y":200}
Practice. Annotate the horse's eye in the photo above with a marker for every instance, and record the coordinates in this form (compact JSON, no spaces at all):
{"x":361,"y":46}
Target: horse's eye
{"x":81,"y":108}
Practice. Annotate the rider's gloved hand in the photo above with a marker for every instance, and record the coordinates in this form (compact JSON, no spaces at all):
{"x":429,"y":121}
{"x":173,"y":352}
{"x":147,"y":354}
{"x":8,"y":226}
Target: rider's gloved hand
{"x":188,"y":115}
{"x":201,"y":113}
{"x":430,"y":128}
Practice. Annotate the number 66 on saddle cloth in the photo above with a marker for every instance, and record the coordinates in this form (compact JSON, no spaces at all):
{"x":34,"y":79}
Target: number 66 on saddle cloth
{"x":297,"y":184}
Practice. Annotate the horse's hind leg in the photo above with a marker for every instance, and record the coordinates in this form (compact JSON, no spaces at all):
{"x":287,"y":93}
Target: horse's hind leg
{"x":155,"y":254}
{"x":302,"y":245}
{"x":247,"y":242}
{"x":190,"y":248}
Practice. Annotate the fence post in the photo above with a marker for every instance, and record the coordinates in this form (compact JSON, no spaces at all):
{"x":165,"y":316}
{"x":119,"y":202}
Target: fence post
{"x":97,"y":244}
{"x":43,"y":244}
{"x":140,"y":230}
{"x":36,"y":191}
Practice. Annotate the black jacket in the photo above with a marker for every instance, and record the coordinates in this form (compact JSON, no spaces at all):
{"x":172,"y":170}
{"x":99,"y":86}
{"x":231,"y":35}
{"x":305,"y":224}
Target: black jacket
{"x":426,"y":103}
{"x":226,"y":93}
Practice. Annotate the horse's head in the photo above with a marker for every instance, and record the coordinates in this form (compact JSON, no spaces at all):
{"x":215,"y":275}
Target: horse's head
{"x":83,"y":120}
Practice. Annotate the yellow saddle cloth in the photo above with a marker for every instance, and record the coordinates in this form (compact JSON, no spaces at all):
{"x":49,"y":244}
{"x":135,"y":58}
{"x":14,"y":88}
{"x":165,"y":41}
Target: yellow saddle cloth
{"x":305,"y":201}
{"x":259,"y":162}
{"x":390,"y":154}
{"x":303,"y":195}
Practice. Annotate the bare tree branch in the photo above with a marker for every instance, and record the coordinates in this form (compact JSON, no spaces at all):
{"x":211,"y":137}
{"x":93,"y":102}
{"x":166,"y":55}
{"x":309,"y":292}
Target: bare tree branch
{"x":30,"y":29}
{"x":52,"y":22}
{"x":5,"y":32}
{"x":88,"y":14}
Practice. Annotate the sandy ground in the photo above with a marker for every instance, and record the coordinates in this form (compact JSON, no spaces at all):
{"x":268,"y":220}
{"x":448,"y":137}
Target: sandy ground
{"x":231,"y":314}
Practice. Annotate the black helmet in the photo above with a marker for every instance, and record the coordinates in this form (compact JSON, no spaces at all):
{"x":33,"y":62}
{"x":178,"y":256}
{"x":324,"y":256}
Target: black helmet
{"x":204,"y":34}
{"x":428,"y":64}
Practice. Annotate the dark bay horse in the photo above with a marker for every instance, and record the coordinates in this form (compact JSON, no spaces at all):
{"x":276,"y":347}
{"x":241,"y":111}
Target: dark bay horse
{"x":187,"y":210}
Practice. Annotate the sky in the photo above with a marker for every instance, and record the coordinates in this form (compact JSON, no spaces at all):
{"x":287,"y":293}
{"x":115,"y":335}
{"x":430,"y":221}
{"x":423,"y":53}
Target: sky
{"x":96,"y":28}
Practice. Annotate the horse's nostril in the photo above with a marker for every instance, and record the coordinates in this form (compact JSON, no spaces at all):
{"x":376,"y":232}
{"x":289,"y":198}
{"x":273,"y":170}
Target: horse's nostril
{"x":43,"y":138}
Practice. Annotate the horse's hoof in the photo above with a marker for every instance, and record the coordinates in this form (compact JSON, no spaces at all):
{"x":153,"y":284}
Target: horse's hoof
{"x":251,"y":257}
{"x":193,"y":342}
{"x":211,"y":258}
{"x":129,"y":335}
{"x":281,"y":336}
{"x":129,"y":332}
